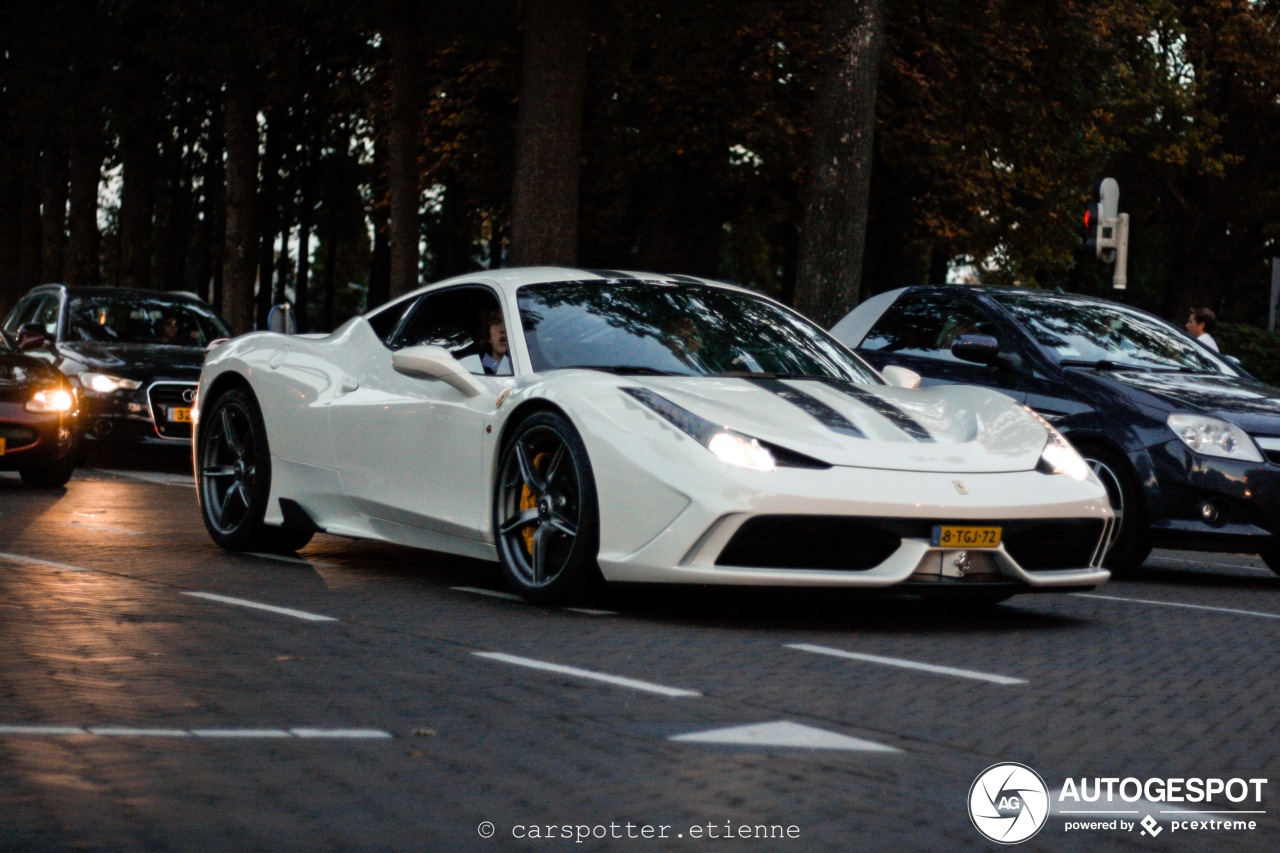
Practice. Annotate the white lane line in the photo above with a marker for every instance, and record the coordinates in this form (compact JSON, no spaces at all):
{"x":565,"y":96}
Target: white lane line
{"x":353,"y":734}
{"x":36,"y":561}
{"x":586,"y":673}
{"x":41,"y":730}
{"x":240,"y":602}
{"x":908,"y":664}
{"x":492,"y":593}
{"x":285,"y":558}
{"x":1156,"y":557}
{"x":1179,"y":604}
{"x":161,"y":479}
{"x":510,"y":596}
{"x":121,"y":731}
{"x":102,"y":528}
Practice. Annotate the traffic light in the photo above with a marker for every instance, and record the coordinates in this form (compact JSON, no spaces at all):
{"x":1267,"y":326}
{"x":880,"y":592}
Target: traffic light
{"x":1106,"y":230}
{"x":1092,"y":225}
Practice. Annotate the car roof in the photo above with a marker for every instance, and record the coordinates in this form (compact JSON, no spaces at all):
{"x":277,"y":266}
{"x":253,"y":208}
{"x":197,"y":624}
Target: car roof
{"x":508,"y":279}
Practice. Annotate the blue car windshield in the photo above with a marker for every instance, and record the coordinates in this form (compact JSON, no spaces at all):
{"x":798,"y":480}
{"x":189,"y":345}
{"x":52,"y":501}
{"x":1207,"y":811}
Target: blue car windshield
{"x":679,"y":329}
{"x":1080,"y":331}
{"x":134,"y":318}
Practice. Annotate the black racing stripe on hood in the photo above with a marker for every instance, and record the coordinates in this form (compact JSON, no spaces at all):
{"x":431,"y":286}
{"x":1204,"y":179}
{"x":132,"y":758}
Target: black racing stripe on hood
{"x":828,"y":416}
{"x":695,"y":425}
{"x":896,"y":416}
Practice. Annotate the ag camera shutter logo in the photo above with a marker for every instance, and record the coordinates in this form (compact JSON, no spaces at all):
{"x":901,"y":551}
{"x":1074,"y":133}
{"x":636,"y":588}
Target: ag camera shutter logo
{"x":1008,"y":803}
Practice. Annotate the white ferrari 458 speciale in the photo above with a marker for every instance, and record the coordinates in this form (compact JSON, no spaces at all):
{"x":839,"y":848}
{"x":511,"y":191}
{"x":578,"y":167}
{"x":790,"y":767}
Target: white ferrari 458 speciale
{"x":589,"y":426}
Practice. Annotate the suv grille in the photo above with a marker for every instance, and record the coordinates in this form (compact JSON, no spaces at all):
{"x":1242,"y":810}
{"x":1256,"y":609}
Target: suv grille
{"x":166,"y":398}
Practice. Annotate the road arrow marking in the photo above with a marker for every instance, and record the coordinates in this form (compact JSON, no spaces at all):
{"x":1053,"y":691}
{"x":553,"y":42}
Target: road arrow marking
{"x":784,"y":734}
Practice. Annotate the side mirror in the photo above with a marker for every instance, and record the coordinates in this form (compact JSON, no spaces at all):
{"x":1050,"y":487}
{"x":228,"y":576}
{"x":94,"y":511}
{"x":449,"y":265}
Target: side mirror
{"x":31,"y":336}
{"x":901,"y":377}
{"x":979,"y":349}
{"x":436,"y":363}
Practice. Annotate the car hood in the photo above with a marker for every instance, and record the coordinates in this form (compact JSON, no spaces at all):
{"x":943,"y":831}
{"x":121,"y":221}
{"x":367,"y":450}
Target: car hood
{"x":943,"y":428}
{"x":1246,"y":402}
{"x":143,"y":361}
{"x":21,"y":375}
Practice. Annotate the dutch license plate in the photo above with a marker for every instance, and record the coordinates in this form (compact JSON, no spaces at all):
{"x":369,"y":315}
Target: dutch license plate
{"x":180,"y":415}
{"x":961,"y":536}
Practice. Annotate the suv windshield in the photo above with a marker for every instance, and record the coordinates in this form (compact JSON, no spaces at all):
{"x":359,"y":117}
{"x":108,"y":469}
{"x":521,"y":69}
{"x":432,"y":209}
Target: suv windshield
{"x":1080,"y":331}
{"x":682,"y":329}
{"x":142,"y":319}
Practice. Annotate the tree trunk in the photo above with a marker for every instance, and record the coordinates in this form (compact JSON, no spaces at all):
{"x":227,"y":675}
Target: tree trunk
{"x":548,"y":167}
{"x":137,"y":203}
{"x":833,"y":232}
{"x":240,"y":254}
{"x":83,"y":267}
{"x":402,"y":158}
{"x":10,"y":289}
{"x":53,"y":214}
{"x":269,"y":213}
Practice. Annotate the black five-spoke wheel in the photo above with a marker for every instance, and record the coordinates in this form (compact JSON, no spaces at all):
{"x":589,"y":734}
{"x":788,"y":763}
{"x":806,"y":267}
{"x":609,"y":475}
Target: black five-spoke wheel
{"x":545,"y":516}
{"x":234,"y":470}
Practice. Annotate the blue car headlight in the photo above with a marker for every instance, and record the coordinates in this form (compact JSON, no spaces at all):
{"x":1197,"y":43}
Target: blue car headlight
{"x":1214,"y":437}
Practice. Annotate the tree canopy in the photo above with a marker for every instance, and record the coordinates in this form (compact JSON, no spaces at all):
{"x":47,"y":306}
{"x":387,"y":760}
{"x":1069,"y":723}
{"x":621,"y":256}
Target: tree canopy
{"x":333,"y":154}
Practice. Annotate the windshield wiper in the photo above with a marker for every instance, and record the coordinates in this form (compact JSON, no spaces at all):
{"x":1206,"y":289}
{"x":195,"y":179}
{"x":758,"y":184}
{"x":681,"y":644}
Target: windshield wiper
{"x":1102,"y":364}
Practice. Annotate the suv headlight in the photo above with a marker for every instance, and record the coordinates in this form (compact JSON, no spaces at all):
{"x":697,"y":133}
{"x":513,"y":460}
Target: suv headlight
{"x":105,"y":383}
{"x":1214,"y":437}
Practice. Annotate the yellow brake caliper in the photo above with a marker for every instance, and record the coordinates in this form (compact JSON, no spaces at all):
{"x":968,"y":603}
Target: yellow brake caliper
{"x":528,"y":500}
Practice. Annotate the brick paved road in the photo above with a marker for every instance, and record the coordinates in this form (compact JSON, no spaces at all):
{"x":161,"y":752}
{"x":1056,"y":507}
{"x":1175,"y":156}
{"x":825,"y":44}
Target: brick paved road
{"x":135,"y":715}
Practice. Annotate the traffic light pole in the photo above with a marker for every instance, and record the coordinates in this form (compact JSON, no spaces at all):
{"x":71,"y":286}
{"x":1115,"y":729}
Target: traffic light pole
{"x":1120,"y":279}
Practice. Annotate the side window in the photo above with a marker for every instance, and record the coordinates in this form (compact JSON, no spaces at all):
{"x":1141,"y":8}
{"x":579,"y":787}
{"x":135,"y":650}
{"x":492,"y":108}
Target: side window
{"x":33,"y":309}
{"x":457,"y":319}
{"x":387,"y":319}
{"x":927,"y":327}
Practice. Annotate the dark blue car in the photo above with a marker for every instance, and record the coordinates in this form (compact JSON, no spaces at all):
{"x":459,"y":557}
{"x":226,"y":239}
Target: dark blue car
{"x":1186,"y":443}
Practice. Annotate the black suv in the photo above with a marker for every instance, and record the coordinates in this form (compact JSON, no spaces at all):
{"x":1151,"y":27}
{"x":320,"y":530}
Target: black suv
{"x":134,"y":355}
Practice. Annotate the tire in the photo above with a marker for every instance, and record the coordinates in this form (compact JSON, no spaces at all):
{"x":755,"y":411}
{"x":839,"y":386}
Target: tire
{"x":546,"y":520}
{"x":1130,"y":543}
{"x":53,"y":473}
{"x":233,"y":478}
{"x":1272,"y":559}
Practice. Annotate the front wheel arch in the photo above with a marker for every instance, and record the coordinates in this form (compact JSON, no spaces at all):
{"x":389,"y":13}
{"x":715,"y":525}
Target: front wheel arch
{"x":1131,"y":542}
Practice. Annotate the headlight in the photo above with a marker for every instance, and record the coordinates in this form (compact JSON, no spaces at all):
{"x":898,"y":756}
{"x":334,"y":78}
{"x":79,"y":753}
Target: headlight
{"x":1214,"y":437}
{"x":739,"y":450}
{"x":728,"y":446}
{"x":1058,"y":456}
{"x":104,"y":383}
{"x":51,"y":401}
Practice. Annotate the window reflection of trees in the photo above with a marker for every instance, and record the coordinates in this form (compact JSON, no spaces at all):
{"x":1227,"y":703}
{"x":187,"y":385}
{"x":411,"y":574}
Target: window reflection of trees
{"x":685,"y":329}
{"x":1095,"y":332}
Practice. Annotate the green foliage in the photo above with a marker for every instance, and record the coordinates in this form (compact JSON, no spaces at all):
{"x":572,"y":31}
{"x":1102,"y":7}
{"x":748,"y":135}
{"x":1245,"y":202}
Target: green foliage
{"x":1257,"y":349}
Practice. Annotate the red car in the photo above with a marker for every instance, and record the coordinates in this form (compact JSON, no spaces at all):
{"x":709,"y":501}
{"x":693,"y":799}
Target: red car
{"x":39,"y":418}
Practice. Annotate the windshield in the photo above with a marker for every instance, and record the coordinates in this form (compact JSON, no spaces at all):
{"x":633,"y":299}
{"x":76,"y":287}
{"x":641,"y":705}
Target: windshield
{"x":1080,"y":331}
{"x":684,"y":329}
{"x":142,"y":319}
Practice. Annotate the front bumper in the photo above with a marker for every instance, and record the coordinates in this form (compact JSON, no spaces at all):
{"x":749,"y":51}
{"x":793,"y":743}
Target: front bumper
{"x":697,"y":538}
{"x":31,"y":439}
{"x":1206,"y":503}
{"x":160,"y":409}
